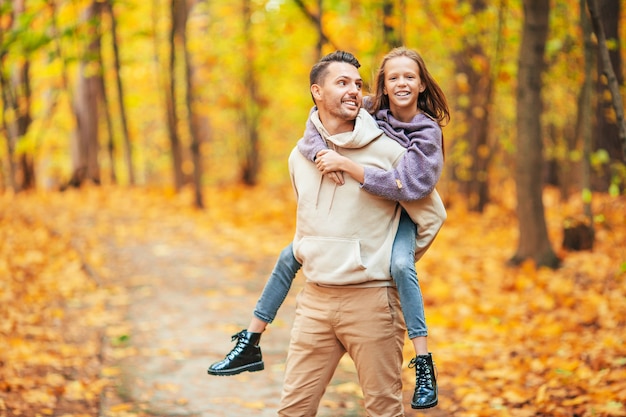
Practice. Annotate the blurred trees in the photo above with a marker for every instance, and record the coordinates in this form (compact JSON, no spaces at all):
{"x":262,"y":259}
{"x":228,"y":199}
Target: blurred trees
{"x":196,"y":93}
{"x":393,"y":22}
{"x":16,"y":96}
{"x":477,"y":66}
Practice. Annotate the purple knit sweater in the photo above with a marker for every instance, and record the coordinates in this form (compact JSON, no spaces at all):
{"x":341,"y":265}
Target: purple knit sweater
{"x":417,"y":172}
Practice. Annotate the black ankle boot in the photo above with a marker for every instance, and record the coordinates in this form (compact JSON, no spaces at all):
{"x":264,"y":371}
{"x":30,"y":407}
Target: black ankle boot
{"x":425,"y":395}
{"x":245,"y":356}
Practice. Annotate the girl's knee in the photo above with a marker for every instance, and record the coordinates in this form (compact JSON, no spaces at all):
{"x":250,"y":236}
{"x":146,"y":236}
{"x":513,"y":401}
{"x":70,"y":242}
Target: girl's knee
{"x":402,"y":267}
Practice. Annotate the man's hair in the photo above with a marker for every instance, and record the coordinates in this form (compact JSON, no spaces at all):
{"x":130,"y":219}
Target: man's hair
{"x":319,"y":70}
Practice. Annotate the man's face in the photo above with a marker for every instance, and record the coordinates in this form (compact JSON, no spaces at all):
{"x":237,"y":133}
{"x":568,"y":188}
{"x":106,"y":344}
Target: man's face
{"x":340,"y":94}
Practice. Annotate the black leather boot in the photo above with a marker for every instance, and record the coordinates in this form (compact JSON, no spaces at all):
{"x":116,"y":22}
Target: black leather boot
{"x":425,"y":395}
{"x":245,"y":356}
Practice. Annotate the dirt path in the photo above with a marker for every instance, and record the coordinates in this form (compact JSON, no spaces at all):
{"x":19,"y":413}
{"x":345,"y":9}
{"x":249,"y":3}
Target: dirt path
{"x":180,"y":327}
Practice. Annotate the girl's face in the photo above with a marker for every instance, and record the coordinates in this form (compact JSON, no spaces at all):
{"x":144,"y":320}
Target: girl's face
{"x":402,"y":84}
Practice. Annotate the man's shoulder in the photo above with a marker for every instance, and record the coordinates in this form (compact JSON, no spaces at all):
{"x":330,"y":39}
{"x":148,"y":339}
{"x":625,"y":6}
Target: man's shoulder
{"x":297,"y":159}
{"x":295,"y":152}
{"x":387,"y":143}
{"x":383,"y":152}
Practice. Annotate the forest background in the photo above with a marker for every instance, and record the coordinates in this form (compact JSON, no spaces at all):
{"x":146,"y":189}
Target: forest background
{"x":205,"y":100}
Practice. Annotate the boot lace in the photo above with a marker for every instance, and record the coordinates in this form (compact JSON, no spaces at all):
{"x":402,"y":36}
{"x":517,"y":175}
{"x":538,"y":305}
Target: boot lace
{"x":423,"y":377}
{"x":239,"y":347}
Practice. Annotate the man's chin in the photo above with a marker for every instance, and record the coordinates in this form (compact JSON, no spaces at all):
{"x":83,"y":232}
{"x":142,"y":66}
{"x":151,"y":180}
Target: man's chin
{"x":351,"y":113}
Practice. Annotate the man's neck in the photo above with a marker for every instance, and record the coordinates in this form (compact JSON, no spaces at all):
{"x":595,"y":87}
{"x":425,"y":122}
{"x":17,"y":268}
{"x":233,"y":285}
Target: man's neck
{"x":334,"y":126}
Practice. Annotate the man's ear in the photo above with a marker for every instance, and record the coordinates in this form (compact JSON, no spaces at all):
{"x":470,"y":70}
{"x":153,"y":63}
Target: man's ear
{"x":316,"y":91}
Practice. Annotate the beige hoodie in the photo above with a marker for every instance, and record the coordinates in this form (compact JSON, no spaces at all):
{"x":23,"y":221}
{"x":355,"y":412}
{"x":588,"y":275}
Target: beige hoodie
{"x":344,"y":234}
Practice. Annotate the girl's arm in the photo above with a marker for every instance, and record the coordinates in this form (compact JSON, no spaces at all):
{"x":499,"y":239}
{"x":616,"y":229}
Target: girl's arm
{"x":312,"y":142}
{"x":312,"y":145}
{"x":416,"y":174}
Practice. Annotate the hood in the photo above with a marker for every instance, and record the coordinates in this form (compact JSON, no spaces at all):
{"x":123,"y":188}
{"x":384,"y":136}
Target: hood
{"x":365,"y":131}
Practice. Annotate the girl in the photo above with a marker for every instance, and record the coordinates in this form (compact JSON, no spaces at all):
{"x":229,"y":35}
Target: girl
{"x":411,"y":108}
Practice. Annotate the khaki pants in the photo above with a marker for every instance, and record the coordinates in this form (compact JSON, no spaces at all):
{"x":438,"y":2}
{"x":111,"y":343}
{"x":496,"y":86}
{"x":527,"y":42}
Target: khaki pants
{"x":366,"y":323}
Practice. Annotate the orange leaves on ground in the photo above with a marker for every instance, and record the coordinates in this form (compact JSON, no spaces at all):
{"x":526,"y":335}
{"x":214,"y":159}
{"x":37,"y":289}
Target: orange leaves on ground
{"x":506,"y":341}
{"x":50,"y":338}
{"x":527,"y":341}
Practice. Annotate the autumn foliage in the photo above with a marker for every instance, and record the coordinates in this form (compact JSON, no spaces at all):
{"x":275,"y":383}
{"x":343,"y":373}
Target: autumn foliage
{"x":507,"y":341}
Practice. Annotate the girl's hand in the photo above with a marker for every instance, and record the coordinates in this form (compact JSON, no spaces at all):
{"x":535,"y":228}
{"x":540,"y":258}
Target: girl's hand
{"x":329,"y":163}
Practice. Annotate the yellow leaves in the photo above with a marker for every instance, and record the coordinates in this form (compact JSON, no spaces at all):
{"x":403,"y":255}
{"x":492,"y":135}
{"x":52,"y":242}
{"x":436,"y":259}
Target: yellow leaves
{"x":77,"y":391}
{"x":121,"y":407}
{"x":611,"y":408}
{"x":506,"y":341}
{"x":49,"y":343}
{"x":526,"y":341}
{"x":39,"y":397}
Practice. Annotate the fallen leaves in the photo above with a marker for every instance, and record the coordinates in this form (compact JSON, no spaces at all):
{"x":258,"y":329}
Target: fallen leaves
{"x":512,"y":339}
{"x":49,"y":340}
{"x":506,"y":341}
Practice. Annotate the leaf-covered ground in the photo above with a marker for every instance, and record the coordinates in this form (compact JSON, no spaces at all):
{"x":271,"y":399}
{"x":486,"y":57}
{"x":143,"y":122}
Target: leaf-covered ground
{"x":507,"y":341}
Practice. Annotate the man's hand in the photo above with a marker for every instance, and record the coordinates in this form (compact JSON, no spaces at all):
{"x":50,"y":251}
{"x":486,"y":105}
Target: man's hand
{"x":329,"y":163}
{"x":336,"y":176}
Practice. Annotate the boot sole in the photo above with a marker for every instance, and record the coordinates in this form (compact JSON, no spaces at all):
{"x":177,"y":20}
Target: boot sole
{"x":421,"y":407}
{"x":252,"y":367}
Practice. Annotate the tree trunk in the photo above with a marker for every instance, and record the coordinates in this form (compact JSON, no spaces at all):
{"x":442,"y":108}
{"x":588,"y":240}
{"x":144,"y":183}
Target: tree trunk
{"x":108,"y":118}
{"x":250,"y":114}
{"x":533,"y":235}
{"x":85,"y":149}
{"x":584,"y":123}
{"x":193,"y":120}
{"x":109,"y":124}
{"x":120,"y":95}
{"x":320,"y":31}
{"x":611,"y":124}
{"x":170,"y":97}
{"x":10,"y":142}
{"x":392,"y":37}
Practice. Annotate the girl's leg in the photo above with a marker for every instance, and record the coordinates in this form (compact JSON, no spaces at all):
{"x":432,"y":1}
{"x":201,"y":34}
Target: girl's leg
{"x":246,"y":355}
{"x":405,"y":276}
{"x":275,"y":290}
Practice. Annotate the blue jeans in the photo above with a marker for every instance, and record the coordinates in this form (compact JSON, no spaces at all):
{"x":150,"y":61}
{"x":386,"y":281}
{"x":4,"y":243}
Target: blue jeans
{"x":404,"y":274}
{"x":277,"y":285}
{"x":402,"y":271}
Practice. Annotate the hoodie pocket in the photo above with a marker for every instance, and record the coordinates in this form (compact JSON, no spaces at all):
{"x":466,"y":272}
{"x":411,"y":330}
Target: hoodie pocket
{"x":325,"y":258}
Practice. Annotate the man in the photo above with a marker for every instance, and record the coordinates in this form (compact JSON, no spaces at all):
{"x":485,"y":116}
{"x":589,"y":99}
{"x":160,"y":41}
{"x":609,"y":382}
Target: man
{"x":343,"y":239}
